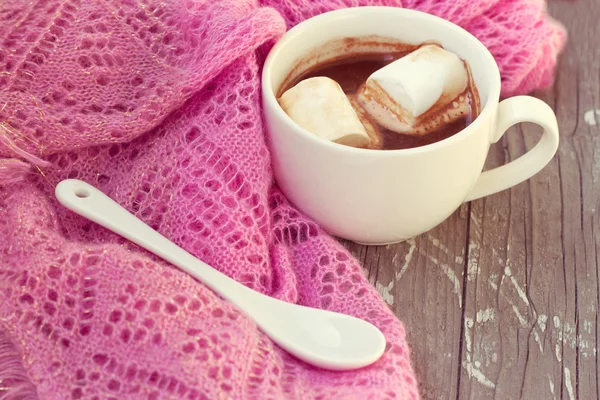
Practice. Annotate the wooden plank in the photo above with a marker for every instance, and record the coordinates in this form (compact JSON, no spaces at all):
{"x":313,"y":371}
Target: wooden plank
{"x":517,"y":271}
{"x":537,"y":253}
{"x":422,"y":281}
{"x":525,"y":260}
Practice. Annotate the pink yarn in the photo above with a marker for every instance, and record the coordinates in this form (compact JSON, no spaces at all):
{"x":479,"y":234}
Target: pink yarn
{"x":157,"y":104}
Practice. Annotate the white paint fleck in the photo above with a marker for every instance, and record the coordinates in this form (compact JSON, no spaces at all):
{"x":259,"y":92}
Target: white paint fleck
{"x":487,"y":348}
{"x":596,"y":152}
{"x":495,"y":357}
{"x":476,"y":221}
{"x":477,"y":364}
{"x":556,"y":321}
{"x":459,"y":260}
{"x":498,"y":258}
{"x":592,"y":117}
{"x":407,"y":259}
{"x":551,"y":384}
{"x":468,"y":327}
{"x":536,"y":337}
{"x":492,"y":283}
{"x":558,"y":352}
{"x":520,"y":317}
{"x":449,"y":273}
{"x":385,"y":292}
{"x":568,"y":336}
{"x":513,"y":280}
{"x":455,"y":282}
{"x":473,"y":264}
{"x":485,"y":315}
{"x":519,"y":290}
{"x":568,"y":327}
{"x":476,"y":374}
{"x":587,"y":326}
{"x":436,"y":243}
{"x":542,"y":322}
{"x":568,"y":384}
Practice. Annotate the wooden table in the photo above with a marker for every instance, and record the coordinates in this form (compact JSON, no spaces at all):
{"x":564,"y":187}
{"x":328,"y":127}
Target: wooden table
{"x":501,"y":300}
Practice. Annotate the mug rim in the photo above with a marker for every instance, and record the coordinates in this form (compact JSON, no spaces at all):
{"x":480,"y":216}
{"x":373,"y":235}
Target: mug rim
{"x":269,"y":97}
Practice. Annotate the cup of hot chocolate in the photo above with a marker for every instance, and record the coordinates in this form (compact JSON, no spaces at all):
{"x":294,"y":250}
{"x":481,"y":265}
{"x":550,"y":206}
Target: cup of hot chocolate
{"x":380,"y":120}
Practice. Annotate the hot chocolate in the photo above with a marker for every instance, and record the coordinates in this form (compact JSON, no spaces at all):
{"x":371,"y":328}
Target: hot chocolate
{"x":361,"y":76}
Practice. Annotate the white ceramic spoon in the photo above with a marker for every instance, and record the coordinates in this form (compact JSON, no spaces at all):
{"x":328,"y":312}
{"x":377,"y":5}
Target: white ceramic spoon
{"x":322,"y":338}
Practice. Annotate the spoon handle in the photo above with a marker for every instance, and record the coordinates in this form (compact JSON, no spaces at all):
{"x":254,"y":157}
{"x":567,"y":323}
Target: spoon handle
{"x":89,"y":202}
{"x":322,"y":338}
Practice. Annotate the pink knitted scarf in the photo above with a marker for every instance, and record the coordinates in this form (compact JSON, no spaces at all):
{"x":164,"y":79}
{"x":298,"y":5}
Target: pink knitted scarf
{"x":157,"y":104}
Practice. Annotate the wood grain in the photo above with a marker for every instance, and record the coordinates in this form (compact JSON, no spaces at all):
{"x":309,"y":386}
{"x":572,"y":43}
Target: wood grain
{"x":502,"y":299}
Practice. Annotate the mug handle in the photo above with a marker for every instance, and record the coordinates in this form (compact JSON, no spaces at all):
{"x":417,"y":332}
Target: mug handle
{"x":510,"y":112}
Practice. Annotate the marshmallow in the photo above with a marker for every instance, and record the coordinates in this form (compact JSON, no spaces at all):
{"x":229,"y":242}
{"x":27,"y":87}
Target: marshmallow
{"x":320,"y":106}
{"x":410,"y":94}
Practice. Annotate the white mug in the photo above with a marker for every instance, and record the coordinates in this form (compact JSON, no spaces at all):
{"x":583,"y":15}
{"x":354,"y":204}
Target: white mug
{"x":387,"y":196}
